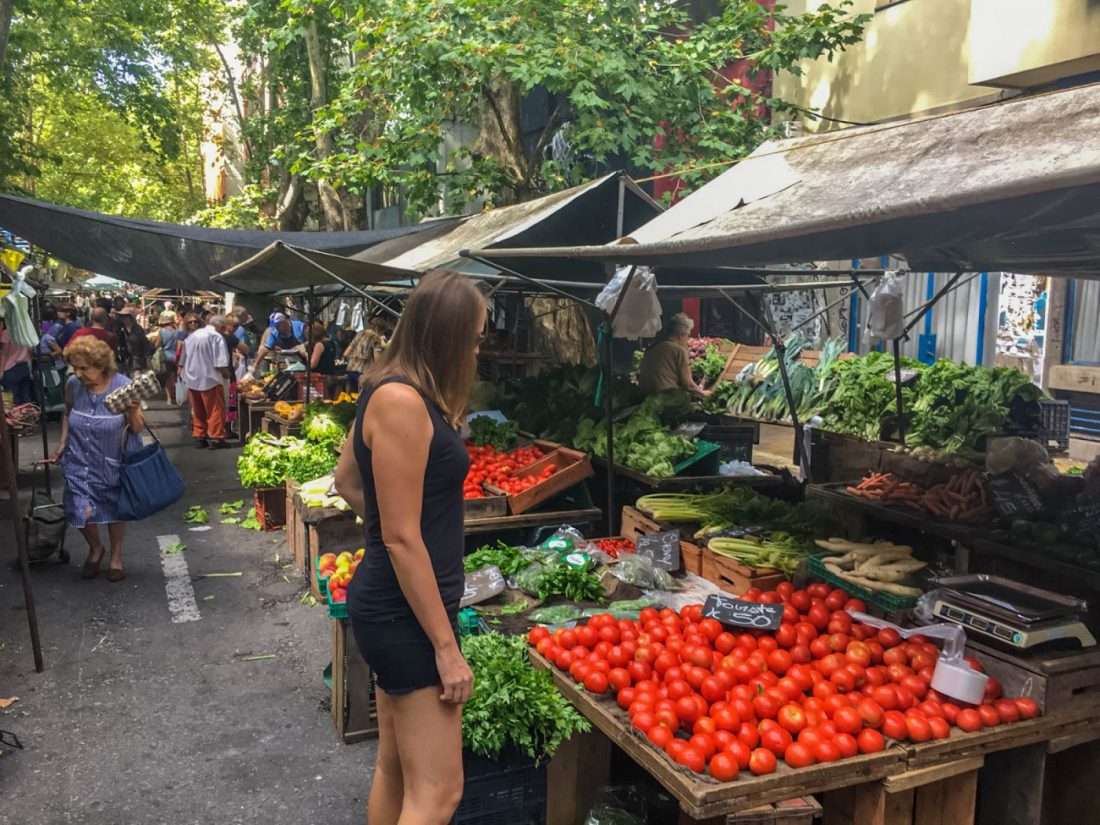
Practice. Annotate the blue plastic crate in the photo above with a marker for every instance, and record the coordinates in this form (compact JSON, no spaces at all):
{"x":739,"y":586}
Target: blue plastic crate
{"x":506,"y":791}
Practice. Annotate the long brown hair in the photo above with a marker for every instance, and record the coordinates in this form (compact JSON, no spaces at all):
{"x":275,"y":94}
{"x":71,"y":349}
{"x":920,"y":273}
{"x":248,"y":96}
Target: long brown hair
{"x":434,"y":343}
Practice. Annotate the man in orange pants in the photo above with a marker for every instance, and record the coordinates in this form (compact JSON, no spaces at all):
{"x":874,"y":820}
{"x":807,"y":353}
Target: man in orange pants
{"x":204,"y":365}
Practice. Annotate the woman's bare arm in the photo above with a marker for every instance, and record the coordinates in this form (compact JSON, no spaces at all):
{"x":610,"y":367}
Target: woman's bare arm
{"x":349,"y":483}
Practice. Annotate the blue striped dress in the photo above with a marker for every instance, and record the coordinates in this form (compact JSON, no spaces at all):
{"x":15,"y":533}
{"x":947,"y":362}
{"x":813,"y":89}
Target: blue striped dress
{"x":93,"y":456}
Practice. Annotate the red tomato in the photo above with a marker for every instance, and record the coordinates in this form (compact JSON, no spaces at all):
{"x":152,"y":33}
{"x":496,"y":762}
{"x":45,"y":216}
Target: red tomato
{"x":858,"y":653}
{"x":678,"y":689}
{"x":587,"y":636}
{"x":618,"y":678}
{"x":567,"y":639}
{"x":818,"y":590}
{"x":1027,"y":707}
{"x":846,"y":744}
{"x":725,"y":643}
{"x":792,"y":718}
{"x":710,"y":628}
{"x":674,"y":748}
{"x":712,"y":689}
{"x":950,"y":711}
{"x":989,"y":716}
{"x":931,"y":708}
{"x":625,"y":697}
{"x":848,"y":720}
{"x":836,"y":599}
{"x":969,"y":720}
{"x":748,"y":735}
{"x":705,"y":743}
{"x":799,"y":755}
{"x":765,"y":706}
{"x":595,"y":682}
{"x":639,"y":671}
{"x":692,"y":759}
{"x":762,"y":761}
{"x":660,"y":736}
{"x":687,"y":709}
{"x":740,"y":753}
{"x":992,"y":690}
{"x":776,"y":740}
{"x":870,"y":741}
{"x":918,"y":728}
{"x":826,"y":751}
{"x":871,"y":712}
{"x":819,"y":616}
{"x":704,"y":725}
{"x":893,"y":725}
{"x":779,"y":661}
{"x":915,"y":685}
{"x":644,"y":721}
{"x":726,"y":719}
{"x":723,"y":767}
{"x":939,"y":727}
{"x":667,"y":716}
{"x":537,"y":634}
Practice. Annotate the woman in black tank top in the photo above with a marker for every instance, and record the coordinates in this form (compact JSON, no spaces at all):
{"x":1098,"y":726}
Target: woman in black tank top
{"x":402,"y":471}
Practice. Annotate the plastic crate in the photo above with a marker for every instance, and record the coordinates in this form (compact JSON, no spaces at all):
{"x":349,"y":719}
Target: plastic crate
{"x":508,"y":791}
{"x":884,"y":601}
{"x":734,"y":442}
{"x":703,"y":463}
{"x":1054,"y":423}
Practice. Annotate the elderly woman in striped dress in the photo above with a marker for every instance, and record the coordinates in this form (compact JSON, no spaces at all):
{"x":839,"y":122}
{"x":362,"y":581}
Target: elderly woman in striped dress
{"x":93,"y":440}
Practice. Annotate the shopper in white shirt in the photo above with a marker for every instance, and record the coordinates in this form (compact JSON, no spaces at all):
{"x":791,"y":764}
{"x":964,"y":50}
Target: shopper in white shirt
{"x":204,"y":365}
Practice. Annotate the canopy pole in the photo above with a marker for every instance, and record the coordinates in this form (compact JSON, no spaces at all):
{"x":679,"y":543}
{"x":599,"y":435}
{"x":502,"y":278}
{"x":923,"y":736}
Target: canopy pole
{"x":620,"y":214}
{"x":7,"y":468}
{"x":846,"y":292}
{"x":528,"y":279}
{"x":40,"y":388}
{"x":340,"y":280}
{"x":897,"y":391}
{"x":781,"y":356}
{"x":927,"y":305}
{"x":608,"y":401}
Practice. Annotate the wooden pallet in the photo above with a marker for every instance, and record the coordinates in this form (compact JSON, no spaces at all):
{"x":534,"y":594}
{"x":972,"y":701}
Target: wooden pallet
{"x":736,"y":578}
{"x":354,"y":708}
{"x":1056,"y":680}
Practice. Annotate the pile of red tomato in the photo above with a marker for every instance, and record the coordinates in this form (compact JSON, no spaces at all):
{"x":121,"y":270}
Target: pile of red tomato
{"x":818,"y":689}
{"x":489,"y":466}
{"x":615,"y":547}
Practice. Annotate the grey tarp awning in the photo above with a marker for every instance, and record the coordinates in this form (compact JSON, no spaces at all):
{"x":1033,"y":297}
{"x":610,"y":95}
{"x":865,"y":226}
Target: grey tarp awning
{"x":1013,"y":186}
{"x":280,"y":266}
{"x":586,"y":214}
{"x":152,"y":253}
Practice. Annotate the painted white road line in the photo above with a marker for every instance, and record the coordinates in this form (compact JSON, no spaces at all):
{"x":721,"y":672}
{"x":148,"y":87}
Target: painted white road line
{"x":177,"y":582}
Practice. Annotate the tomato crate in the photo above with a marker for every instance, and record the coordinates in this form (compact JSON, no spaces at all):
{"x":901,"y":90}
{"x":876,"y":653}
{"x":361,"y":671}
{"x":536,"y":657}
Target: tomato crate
{"x":886,"y":602}
{"x":492,"y":506}
{"x":510,"y":790}
{"x":734,"y":577}
{"x":270,"y":504}
{"x":572,"y":468}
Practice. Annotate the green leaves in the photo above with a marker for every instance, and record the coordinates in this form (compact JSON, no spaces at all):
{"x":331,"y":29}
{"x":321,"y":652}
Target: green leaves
{"x":231,"y":507}
{"x":508,"y":559}
{"x":502,"y":436}
{"x":513,"y":705}
{"x":196,"y":515}
{"x":178,"y":547}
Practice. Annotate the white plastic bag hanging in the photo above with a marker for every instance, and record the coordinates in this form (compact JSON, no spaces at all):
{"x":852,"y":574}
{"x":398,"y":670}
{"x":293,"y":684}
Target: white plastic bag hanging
{"x":639,"y":313}
{"x":886,"y":310}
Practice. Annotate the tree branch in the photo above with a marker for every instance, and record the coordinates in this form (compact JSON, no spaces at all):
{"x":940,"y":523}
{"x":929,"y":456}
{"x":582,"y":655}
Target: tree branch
{"x":232,"y":84}
{"x":6,"y":7}
{"x":556,"y":117}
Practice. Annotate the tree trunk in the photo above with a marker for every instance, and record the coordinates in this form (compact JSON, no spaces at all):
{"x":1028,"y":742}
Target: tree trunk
{"x":331,"y":205}
{"x":288,"y":205}
{"x":6,"y":7}
{"x":501,"y":135}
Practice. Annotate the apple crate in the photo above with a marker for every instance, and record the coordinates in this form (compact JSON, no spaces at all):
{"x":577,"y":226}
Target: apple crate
{"x":270,"y":504}
{"x":354,"y":703}
{"x":572,"y":468}
{"x":736,"y":578}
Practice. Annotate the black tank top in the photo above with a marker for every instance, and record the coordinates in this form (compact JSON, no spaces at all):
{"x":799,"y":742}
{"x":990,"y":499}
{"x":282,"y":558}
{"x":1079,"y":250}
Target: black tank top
{"x":326,"y":364}
{"x":374,"y":594}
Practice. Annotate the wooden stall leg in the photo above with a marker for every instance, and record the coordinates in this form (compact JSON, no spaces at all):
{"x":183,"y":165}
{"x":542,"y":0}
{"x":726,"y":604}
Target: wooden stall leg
{"x":1072,"y":792}
{"x":1013,"y":791}
{"x":857,"y":805}
{"x":577,"y":771}
{"x":947,"y":802}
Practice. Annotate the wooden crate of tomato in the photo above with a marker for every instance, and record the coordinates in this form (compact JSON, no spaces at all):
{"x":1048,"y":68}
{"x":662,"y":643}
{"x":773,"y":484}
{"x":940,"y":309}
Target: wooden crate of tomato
{"x":529,"y":486}
{"x":491,"y":466}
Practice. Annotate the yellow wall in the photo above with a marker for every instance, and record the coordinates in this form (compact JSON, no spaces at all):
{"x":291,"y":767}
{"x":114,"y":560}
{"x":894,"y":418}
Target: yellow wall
{"x":922,"y":56}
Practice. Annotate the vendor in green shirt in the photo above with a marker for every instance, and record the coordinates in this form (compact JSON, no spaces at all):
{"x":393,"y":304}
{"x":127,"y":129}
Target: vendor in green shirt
{"x":666,"y":365}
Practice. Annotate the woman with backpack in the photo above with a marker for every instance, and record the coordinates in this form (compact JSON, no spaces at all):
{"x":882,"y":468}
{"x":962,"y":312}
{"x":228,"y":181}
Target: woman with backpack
{"x":165,"y":341}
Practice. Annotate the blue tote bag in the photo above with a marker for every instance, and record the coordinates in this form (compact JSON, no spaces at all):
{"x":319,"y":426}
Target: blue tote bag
{"x":149,"y":482}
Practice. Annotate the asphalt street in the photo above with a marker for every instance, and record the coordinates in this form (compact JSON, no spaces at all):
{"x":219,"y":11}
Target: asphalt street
{"x":149,"y":709}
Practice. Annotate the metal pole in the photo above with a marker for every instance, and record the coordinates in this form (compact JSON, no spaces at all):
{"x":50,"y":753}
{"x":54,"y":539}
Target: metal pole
{"x":922,"y":310}
{"x":309,"y":349}
{"x":40,"y":390}
{"x":609,"y":406}
{"x":7,"y":467}
{"x":781,"y":356}
{"x":897,"y":391}
{"x":340,"y":280}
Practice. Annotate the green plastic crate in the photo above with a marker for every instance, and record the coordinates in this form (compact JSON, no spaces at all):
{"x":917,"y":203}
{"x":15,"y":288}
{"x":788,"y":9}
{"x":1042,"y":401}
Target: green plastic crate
{"x":322,"y":581}
{"x":703,"y":463}
{"x":887,"y":602}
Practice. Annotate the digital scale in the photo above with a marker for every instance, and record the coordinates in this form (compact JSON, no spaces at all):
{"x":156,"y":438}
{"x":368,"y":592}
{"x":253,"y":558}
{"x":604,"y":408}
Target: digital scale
{"x":1010,"y":613}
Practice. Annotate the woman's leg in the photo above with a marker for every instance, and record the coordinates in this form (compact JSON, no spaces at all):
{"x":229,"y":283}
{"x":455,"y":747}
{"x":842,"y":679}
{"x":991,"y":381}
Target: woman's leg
{"x":95,"y":546}
{"x":116,"y":530}
{"x":387,"y":789}
{"x":429,"y":744}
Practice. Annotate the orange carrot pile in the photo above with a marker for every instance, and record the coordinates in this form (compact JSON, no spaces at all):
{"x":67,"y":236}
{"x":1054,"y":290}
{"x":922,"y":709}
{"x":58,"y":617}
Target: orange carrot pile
{"x":963,"y":498}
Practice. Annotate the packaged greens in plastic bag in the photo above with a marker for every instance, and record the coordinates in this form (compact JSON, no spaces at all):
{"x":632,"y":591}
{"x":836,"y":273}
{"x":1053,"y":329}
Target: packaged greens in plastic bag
{"x":528,"y":580}
{"x":641,"y":572}
{"x":555,"y":615}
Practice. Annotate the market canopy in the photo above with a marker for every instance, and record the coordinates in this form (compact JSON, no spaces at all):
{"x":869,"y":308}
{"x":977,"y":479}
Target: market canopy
{"x":584,"y":215}
{"x":283,"y":266}
{"x":1013,"y":186}
{"x":152,"y":253}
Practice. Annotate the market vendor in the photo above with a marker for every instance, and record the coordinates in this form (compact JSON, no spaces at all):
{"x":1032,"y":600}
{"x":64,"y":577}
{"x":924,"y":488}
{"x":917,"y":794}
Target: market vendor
{"x":666,"y":364}
{"x":282,"y":334}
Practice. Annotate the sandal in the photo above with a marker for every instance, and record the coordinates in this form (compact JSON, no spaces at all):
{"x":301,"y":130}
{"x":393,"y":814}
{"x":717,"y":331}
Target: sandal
{"x":91,"y":568}
{"x":116,"y":574}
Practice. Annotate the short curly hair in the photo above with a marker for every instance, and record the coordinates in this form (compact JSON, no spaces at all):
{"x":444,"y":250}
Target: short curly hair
{"x":89,"y":351}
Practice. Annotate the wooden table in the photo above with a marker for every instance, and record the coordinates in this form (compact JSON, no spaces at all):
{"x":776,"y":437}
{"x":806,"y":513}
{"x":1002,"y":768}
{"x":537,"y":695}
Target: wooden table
{"x":932,"y":783}
{"x":701,"y":798}
{"x":251,"y":415}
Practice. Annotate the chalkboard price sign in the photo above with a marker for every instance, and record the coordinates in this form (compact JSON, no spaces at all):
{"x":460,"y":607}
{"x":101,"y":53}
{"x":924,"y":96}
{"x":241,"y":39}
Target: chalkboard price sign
{"x":1079,"y":519}
{"x":1014,"y":496}
{"x":662,"y":548}
{"x":738,"y":613}
{"x":482,"y":585}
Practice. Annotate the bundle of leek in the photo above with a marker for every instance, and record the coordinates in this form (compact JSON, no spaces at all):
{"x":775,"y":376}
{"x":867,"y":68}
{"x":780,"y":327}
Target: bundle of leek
{"x":776,"y":551}
{"x":673,"y":507}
